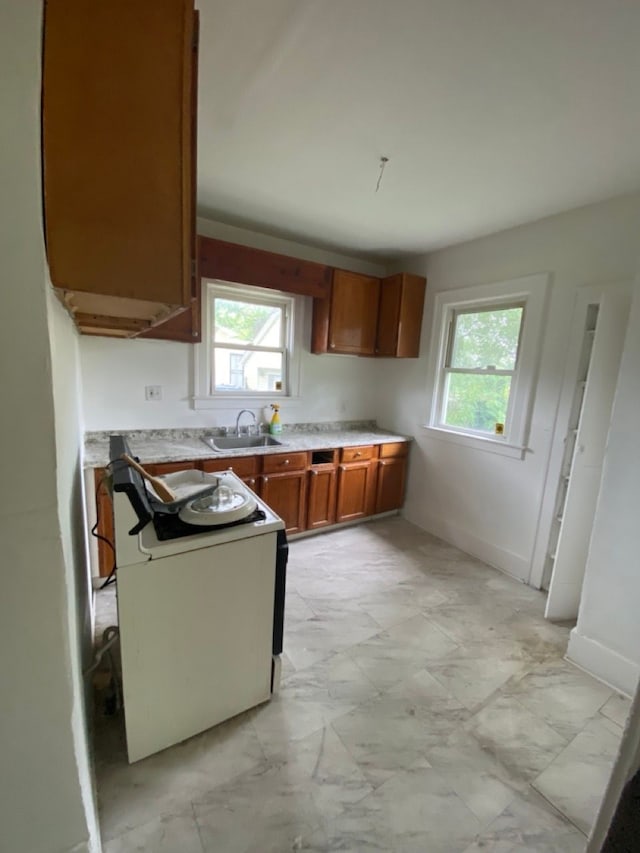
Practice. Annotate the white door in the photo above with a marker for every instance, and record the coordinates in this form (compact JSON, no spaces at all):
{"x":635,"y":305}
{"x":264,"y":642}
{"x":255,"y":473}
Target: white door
{"x":585,"y":468}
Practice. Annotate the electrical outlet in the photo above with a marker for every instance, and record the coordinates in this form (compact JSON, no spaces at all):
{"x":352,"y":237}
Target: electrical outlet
{"x":153,"y":392}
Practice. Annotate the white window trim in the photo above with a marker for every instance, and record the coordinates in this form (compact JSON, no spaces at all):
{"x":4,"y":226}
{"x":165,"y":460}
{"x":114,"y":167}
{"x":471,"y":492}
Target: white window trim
{"x":202,"y":398}
{"x":532,"y":291}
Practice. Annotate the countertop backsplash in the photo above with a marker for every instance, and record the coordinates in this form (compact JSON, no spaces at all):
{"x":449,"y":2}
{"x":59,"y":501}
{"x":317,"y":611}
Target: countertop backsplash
{"x":197,"y":432}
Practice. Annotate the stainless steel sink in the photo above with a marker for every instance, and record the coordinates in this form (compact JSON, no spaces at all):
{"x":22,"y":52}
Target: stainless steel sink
{"x":236,"y":442}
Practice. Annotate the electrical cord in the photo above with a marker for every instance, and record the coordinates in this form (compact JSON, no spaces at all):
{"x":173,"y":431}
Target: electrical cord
{"x":110,"y":637}
{"x":111,"y":578}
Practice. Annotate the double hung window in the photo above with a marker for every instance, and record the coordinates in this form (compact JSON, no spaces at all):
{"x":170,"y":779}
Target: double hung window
{"x":484,"y":354}
{"x":479,"y":367}
{"x":248,"y":342}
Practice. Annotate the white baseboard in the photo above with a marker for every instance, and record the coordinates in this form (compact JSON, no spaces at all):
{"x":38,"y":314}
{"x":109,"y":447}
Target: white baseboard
{"x":506,"y":561}
{"x":603,"y":663}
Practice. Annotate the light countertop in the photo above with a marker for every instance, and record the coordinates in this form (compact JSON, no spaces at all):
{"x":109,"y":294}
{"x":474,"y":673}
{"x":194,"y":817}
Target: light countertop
{"x":186,"y":444}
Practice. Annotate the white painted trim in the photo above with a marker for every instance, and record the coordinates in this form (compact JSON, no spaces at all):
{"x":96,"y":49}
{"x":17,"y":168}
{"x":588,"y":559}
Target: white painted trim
{"x":489,"y":445}
{"x":533,"y":291}
{"x":585,"y":296}
{"x":234,"y":403}
{"x":625,"y":767}
{"x":603,"y":663}
{"x":514,"y":565}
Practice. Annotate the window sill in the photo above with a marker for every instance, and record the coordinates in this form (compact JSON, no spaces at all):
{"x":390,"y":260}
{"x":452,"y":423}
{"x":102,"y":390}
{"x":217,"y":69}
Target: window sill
{"x":251,"y":401}
{"x":488,"y":445}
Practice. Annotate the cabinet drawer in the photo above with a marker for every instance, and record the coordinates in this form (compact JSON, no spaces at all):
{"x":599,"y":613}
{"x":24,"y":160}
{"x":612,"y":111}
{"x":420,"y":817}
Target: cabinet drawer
{"x":356,"y":454}
{"x":278,"y":463}
{"x":243,"y":466}
{"x":157,"y":469}
{"x":396,"y":448}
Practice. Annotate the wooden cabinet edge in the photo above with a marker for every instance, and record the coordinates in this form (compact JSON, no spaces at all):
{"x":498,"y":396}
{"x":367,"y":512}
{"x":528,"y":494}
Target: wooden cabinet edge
{"x":72,"y":257}
{"x":320,"y":326}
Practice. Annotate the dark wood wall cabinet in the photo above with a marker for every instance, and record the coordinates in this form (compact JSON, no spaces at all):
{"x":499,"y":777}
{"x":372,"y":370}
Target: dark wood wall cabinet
{"x":309,"y":490}
{"x":118,"y":140}
{"x":369,"y":316}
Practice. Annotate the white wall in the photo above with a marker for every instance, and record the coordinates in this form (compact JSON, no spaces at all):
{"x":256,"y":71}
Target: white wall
{"x":485,"y":503}
{"x":606,"y":639}
{"x":47,"y":801}
{"x":115,"y":372}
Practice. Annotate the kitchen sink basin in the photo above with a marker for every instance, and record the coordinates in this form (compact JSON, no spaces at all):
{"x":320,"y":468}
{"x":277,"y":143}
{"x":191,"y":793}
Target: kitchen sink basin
{"x":236,"y":442}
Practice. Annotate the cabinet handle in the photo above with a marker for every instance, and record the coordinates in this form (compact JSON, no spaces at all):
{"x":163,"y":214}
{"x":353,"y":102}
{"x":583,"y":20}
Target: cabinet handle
{"x":285,"y":461}
{"x":333,"y":346}
{"x":315,"y":473}
{"x":265,"y":479}
{"x":357,"y":454}
{"x":382,"y":462}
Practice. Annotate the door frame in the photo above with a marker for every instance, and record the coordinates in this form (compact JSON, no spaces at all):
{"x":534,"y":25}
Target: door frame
{"x":586,"y":295}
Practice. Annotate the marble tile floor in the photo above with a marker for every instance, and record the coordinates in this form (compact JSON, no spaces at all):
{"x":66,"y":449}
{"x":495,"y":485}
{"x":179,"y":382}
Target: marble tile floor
{"x":425,"y":706}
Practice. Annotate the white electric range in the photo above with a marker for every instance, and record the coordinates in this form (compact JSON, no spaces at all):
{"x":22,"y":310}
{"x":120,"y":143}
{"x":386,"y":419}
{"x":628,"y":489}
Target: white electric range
{"x":200,"y":588}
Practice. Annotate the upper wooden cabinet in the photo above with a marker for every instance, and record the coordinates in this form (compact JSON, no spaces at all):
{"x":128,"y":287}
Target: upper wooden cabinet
{"x":118,"y":120}
{"x":400,"y":316}
{"x":369,"y":316}
{"x":353,"y":313}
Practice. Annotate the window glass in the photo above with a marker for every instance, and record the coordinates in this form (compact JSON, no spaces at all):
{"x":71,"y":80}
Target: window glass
{"x":476,"y":401}
{"x":240,"y":322}
{"x":247,"y":370}
{"x":484,"y":339}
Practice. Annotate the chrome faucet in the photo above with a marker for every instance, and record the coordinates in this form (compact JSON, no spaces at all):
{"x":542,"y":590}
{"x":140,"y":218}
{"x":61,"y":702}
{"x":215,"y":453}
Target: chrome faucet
{"x":240,"y":414}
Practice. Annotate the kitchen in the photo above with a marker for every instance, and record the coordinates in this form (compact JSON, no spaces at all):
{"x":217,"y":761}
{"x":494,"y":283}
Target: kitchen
{"x":100,"y":384}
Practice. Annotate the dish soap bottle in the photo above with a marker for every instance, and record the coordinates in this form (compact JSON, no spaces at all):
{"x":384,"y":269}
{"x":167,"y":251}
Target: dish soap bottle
{"x":275,"y":427}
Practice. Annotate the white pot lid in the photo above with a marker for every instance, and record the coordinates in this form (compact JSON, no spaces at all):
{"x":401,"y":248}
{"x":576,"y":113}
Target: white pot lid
{"x":224,"y":506}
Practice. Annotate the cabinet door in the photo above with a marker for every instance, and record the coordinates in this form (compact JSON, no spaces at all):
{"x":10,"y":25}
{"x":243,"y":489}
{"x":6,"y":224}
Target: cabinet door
{"x":390,"y":483}
{"x":354,"y":492}
{"x":285,"y":494}
{"x":322,"y":497}
{"x":104,"y":513}
{"x":117,"y":149}
{"x":187,"y":325}
{"x":400,"y":316}
{"x":353,"y":313}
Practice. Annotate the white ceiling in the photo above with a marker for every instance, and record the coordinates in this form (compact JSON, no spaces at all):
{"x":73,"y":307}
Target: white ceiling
{"x":492,"y":112}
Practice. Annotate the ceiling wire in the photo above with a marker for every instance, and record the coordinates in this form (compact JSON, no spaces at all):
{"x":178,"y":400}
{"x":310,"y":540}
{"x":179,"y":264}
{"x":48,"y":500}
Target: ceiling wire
{"x":383,"y":163}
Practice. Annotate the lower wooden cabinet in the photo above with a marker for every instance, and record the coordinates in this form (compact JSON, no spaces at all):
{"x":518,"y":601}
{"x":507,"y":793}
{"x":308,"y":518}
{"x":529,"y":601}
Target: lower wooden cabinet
{"x":307,"y":490}
{"x":354,"y":491}
{"x":286,"y":494}
{"x":391,"y":477}
{"x":321,"y":507}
